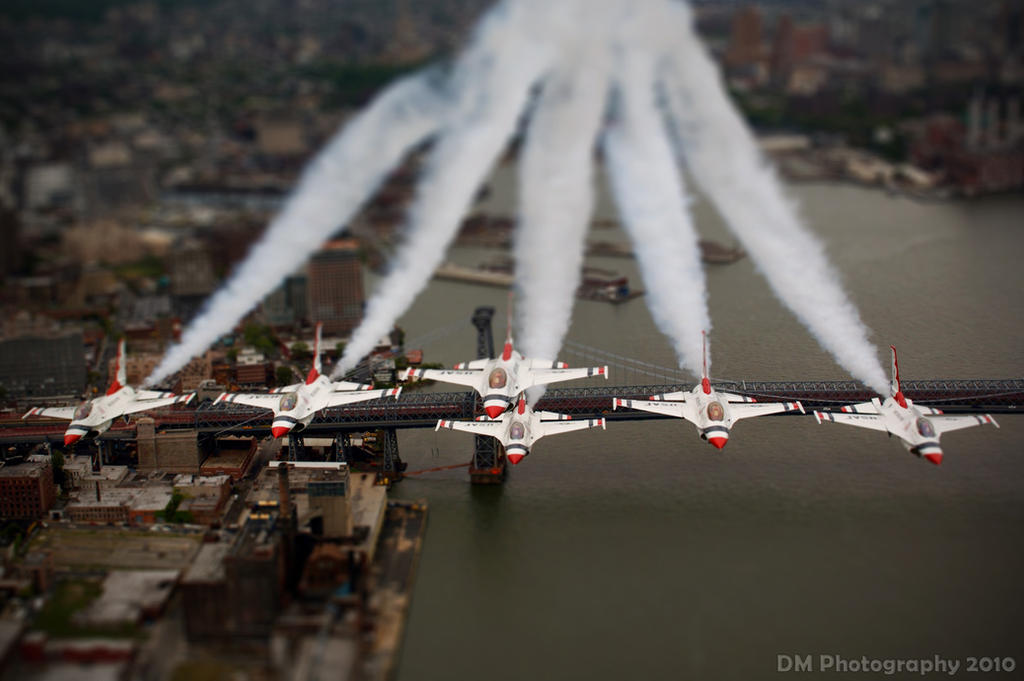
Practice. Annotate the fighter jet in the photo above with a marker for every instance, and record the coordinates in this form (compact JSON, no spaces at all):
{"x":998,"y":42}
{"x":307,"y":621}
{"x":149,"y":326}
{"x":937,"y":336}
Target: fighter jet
{"x":712,"y":411}
{"x":517,"y":430}
{"x":295,"y":405}
{"x":96,"y":415}
{"x":918,"y":427}
{"x":500,"y":380}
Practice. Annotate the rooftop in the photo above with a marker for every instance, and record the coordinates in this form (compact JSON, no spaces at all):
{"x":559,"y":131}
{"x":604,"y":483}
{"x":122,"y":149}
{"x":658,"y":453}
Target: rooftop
{"x":31,"y":469}
{"x":208,"y":565}
{"x":108,"y":498}
{"x":127,"y":592}
{"x":151,"y":498}
{"x":191,"y":480}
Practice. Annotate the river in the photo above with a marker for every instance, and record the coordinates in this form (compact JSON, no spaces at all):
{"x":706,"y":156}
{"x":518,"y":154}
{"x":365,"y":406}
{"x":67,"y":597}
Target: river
{"x":641,"y":552}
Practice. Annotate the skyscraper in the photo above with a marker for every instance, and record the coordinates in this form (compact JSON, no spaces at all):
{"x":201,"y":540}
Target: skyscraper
{"x":335,"y":287}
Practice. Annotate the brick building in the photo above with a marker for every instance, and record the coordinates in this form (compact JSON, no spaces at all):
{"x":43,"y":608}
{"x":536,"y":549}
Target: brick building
{"x":235,"y":589}
{"x":108,"y":506}
{"x":26,"y":490}
{"x":233,"y":457}
{"x":137,"y":366}
{"x":335,"y":287}
{"x":169,"y":452}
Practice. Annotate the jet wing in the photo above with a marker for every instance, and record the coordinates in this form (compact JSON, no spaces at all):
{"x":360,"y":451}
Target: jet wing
{"x":338,"y":386}
{"x":872,"y":407}
{"x":545,"y":364}
{"x":336,"y":399}
{"x":286,"y":388}
{"x":545,"y":376}
{"x":478,"y":364}
{"x":734,"y":398}
{"x":66,"y":413}
{"x":679,"y":396}
{"x":492,"y":428}
{"x":258,"y":400}
{"x":143,"y":405}
{"x":679,"y":410}
{"x":749,"y":410}
{"x":872,"y":421}
{"x":552,"y":416}
{"x":558,"y":427}
{"x":152,"y":394}
{"x":945,"y":424}
{"x":466,"y":377}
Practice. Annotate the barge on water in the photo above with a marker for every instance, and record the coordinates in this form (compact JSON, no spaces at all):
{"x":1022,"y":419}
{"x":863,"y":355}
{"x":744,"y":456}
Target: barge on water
{"x":598,"y":284}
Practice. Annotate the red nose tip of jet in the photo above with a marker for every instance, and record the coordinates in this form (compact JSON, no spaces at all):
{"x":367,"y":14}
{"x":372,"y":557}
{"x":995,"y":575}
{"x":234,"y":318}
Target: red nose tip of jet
{"x":515,"y":458}
{"x":934,"y":458}
{"x":279,"y":431}
{"x":71,"y":438}
{"x":718,"y":442}
{"x":494,"y":411}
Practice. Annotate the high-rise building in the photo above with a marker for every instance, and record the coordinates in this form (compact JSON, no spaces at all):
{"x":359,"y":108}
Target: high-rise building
{"x":745,"y":39}
{"x":43,"y":367}
{"x":191,"y":271}
{"x":286,"y":305}
{"x":335,"y":287}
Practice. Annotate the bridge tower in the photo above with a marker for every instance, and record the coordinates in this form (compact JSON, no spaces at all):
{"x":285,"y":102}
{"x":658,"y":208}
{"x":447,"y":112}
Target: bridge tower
{"x":488,"y":467}
{"x":341,"y":448}
{"x":484,"y":337}
{"x":391,"y":464}
{"x":296,"y":447}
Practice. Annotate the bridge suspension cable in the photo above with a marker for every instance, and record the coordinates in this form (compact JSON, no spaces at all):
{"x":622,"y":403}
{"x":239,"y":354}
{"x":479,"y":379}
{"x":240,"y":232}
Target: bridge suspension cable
{"x":628,"y":364}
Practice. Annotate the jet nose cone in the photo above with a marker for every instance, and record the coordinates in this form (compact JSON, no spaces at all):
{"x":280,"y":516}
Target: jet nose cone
{"x":279,"y":431}
{"x":718,"y":442}
{"x":515,"y":458}
{"x":71,"y":438}
{"x":935,"y":458}
{"x":494,"y":411}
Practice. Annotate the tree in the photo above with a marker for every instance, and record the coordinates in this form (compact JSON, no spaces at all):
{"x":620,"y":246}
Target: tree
{"x":260,"y":337}
{"x":284,"y":374}
{"x":300,"y":351}
{"x":57,"y":461}
{"x":171,"y":514}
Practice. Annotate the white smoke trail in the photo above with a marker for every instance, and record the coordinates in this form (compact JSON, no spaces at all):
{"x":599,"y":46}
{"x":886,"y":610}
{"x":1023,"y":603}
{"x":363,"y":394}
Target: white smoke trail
{"x":649,"y":193}
{"x":556,"y":199}
{"x":723,"y":157}
{"x":492,"y":81}
{"x":333,"y":187}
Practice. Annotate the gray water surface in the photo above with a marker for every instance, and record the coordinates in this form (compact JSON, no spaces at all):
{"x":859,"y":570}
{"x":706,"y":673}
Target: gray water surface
{"x":641,"y":552}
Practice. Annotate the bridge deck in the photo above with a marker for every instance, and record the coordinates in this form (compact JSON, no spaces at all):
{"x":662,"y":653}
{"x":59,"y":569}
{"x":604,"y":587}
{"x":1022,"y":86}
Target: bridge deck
{"x":423,"y":409}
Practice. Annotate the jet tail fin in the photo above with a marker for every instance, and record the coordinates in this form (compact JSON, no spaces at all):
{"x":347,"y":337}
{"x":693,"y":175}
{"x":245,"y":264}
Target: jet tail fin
{"x":705,"y":382}
{"x":120,"y":373}
{"x":314,"y":373}
{"x":894,"y":384}
{"x":506,"y":353}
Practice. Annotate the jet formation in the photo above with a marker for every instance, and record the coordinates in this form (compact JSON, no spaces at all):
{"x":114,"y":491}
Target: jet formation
{"x":502,"y":382}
